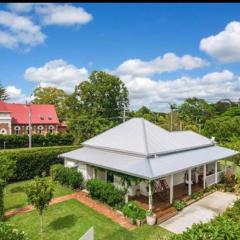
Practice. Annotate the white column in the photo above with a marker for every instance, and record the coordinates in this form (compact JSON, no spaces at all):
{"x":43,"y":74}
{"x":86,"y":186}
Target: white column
{"x":171,"y":189}
{"x":149,"y":196}
{"x":94,"y":172}
{"x":189,"y":181}
{"x":126,"y":195}
{"x":216,"y":171}
{"x":225,"y":165}
{"x":204,"y":175}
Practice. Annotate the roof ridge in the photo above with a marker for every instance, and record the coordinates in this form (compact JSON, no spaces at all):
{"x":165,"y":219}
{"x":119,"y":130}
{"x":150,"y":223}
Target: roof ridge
{"x":145,"y":136}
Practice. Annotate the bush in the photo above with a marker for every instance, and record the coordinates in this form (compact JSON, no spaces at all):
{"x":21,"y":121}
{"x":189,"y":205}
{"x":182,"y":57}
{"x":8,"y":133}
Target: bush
{"x":179,"y":204}
{"x":229,"y":181}
{"x":21,"y":141}
{"x":33,"y":162}
{"x":2,"y":185}
{"x":105,"y":192}
{"x":9,"y":232}
{"x":54,"y":170}
{"x":133,"y":211}
{"x":70,"y":177}
{"x":197,"y":195}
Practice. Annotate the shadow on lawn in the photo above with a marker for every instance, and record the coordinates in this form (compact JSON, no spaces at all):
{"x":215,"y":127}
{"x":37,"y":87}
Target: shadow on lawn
{"x":17,"y":189}
{"x":63,"y":222}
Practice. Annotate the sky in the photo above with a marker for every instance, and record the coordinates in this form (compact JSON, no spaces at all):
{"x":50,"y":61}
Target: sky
{"x":164,"y":53}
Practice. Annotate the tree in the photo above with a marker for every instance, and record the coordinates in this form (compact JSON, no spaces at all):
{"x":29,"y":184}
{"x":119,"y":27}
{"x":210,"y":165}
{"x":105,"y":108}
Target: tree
{"x":224,"y":128}
{"x":51,"y":95}
{"x":3,"y":93}
{"x":196,"y":111}
{"x":97,"y":104}
{"x":222,"y":105}
{"x":40,"y":193}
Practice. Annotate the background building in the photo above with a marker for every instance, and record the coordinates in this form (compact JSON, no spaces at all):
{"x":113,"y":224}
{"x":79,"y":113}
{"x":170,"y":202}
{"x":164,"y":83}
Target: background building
{"x":14,"y":119}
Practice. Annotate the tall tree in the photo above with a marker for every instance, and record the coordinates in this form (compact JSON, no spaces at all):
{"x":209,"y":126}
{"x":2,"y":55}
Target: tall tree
{"x":3,"y":93}
{"x":196,"y":111}
{"x":97,"y":103}
{"x":40,"y":193}
{"x":51,"y":95}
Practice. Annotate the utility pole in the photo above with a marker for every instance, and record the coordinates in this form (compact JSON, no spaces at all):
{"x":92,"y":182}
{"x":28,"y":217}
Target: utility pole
{"x":29,"y":126}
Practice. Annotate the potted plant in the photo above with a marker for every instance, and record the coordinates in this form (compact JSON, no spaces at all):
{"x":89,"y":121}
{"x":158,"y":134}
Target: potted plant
{"x":151,"y":217}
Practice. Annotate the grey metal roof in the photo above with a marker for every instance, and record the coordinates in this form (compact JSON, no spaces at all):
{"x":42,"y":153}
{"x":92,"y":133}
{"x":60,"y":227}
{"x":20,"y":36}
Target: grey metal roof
{"x":141,"y":137}
{"x":149,"y":168}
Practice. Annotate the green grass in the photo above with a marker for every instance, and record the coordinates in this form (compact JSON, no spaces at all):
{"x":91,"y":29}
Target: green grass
{"x":70,"y":220}
{"x":15,"y":196}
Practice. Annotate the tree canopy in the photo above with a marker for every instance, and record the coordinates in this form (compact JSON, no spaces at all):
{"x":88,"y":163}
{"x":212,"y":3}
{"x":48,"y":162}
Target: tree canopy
{"x":97,"y":104}
{"x":51,"y":95}
{"x":3,"y":93}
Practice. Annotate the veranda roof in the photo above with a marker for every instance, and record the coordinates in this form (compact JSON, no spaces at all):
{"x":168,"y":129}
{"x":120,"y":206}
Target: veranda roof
{"x":148,"y":168}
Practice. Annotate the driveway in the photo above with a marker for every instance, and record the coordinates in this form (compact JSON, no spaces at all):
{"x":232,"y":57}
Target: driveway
{"x":202,"y":210}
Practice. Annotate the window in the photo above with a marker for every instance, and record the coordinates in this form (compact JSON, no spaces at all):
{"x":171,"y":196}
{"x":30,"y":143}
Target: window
{"x":40,"y":129}
{"x":27,"y":128}
{"x":3,"y":131}
{"x":17,"y":129}
{"x":51,"y":128}
{"x":110,"y":177}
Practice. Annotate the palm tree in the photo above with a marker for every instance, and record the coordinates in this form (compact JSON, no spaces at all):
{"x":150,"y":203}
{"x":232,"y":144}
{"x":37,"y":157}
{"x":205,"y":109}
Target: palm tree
{"x":173,"y":107}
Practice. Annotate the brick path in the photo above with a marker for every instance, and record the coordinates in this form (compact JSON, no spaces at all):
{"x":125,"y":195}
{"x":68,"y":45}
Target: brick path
{"x":83,"y":198}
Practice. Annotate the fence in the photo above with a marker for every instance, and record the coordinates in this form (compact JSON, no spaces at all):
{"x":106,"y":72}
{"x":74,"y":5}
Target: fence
{"x":210,"y":179}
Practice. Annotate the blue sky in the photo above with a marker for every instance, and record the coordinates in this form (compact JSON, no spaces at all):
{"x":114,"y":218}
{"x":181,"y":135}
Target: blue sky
{"x":163,"y":52}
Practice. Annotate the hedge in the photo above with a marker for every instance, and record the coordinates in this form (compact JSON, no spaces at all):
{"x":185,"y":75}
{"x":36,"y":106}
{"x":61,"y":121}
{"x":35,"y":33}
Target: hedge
{"x":2,"y":185}
{"x":105,"y":192}
{"x":33,"y":162}
{"x":20,"y":141}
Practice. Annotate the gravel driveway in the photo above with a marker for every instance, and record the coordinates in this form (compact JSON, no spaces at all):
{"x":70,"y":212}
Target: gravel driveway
{"x":202,"y":210}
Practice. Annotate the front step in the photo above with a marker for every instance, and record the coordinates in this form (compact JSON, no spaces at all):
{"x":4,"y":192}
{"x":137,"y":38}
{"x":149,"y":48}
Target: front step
{"x":165,"y":215}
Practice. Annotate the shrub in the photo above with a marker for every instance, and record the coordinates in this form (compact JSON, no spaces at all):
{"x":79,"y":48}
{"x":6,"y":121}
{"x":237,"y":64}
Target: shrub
{"x":70,"y":177}
{"x":54,"y":170}
{"x":105,"y":192}
{"x":133,"y":211}
{"x":9,"y":232}
{"x":229,"y":181}
{"x":197,"y":195}
{"x":179,"y":204}
{"x":2,"y":185}
{"x":33,"y":162}
{"x":21,"y":141}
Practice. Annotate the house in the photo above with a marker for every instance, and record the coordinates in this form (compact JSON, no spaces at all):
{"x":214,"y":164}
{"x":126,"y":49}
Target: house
{"x":177,"y":162}
{"x":15,"y":118}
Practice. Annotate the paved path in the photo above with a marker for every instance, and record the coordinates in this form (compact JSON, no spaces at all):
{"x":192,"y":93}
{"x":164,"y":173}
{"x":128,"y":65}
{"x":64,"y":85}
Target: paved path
{"x":202,"y":210}
{"x":83,"y":198}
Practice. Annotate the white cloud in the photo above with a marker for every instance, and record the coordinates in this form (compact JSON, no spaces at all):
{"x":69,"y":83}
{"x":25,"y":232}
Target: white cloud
{"x":57,"y":73}
{"x":167,"y":63}
{"x":21,"y":7}
{"x":54,"y":13}
{"x":224,"y":46}
{"x":157,"y":94}
{"x":15,"y":94}
{"x":65,"y":14}
{"x":18,"y":31}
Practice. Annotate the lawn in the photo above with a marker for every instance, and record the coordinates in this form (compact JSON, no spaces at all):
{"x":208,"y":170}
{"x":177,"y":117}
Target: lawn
{"x":69,"y":220}
{"x":15,"y":196}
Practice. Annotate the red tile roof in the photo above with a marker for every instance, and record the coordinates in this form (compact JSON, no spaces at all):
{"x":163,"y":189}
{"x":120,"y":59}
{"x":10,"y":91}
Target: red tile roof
{"x":41,"y":113}
{"x":3,"y":106}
